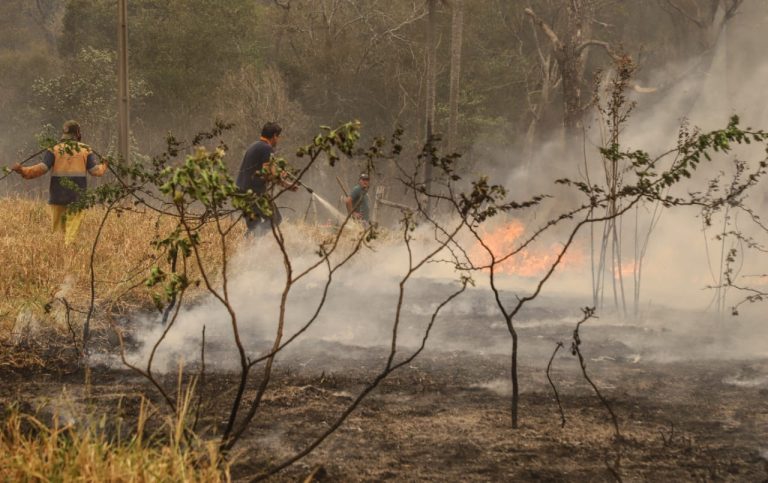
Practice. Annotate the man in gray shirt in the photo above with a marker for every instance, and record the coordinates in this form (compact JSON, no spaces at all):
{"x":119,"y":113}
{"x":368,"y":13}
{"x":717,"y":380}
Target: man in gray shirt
{"x":357,"y":201}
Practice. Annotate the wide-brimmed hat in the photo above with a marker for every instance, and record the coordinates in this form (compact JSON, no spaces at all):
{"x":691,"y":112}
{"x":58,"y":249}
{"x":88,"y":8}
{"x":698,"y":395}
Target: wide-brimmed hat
{"x":70,"y":130}
{"x":364,"y":176}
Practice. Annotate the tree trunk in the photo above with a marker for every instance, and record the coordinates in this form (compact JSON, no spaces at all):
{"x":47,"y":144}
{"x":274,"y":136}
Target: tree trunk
{"x":570,"y":49}
{"x":123,"y":110}
{"x":572,"y":63}
{"x":286,"y":7}
{"x":431,"y":74}
{"x":457,"y":26}
{"x":572,"y":111}
{"x":547,"y":82}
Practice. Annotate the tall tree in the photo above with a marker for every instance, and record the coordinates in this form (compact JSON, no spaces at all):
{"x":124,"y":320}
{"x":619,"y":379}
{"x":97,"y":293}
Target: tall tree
{"x":26,"y":53}
{"x":457,"y":29}
{"x":286,"y":13}
{"x":539,"y":86}
{"x":345,"y":60}
{"x":570,"y":48}
{"x":430,"y":89}
{"x":181,"y":48}
{"x":709,"y":16}
{"x":708,"y":20}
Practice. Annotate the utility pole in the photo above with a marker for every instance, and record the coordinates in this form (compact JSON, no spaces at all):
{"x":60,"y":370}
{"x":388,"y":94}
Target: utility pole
{"x":122,"y":79}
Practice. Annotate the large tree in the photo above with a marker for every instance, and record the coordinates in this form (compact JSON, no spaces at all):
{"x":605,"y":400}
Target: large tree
{"x":570,"y":46}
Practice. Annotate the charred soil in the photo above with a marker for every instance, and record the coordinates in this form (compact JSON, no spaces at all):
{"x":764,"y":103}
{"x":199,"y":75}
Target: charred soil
{"x":446,"y":417}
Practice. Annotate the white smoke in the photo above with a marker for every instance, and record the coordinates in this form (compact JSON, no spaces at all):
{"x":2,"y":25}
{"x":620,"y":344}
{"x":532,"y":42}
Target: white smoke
{"x":359,"y":309}
{"x":683,"y":259}
{"x":681,"y":262}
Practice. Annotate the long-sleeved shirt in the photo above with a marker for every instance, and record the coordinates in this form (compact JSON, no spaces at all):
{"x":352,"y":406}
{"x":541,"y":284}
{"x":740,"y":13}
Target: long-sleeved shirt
{"x":66,"y":160}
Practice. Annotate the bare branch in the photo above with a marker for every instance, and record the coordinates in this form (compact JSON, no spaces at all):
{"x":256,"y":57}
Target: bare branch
{"x":556,"y":42}
{"x":730,"y":12}
{"x":362,"y":395}
{"x":284,"y":6}
{"x":699,"y":23}
{"x":552,"y":384}
{"x":598,"y":43}
{"x":575,"y":348}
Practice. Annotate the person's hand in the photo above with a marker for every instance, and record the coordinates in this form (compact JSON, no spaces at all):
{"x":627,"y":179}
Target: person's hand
{"x":294,"y":187}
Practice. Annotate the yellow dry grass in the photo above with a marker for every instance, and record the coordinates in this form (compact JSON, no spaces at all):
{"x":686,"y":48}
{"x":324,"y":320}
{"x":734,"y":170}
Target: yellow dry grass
{"x":31,"y":450}
{"x":37,"y":267}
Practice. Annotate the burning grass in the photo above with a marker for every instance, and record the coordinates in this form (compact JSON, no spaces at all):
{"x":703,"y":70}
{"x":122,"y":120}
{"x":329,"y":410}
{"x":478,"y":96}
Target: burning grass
{"x":530,"y":262}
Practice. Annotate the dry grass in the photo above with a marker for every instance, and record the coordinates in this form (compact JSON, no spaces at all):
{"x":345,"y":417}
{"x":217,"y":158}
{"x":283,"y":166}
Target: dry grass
{"x":40,"y":272}
{"x":85,"y":451}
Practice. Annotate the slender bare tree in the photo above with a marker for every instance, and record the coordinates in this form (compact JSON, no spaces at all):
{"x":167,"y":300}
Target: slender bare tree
{"x":457,"y":33}
{"x":431,"y":91}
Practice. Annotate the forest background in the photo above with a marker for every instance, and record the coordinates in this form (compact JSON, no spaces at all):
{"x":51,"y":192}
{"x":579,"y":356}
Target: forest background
{"x":508,"y":76}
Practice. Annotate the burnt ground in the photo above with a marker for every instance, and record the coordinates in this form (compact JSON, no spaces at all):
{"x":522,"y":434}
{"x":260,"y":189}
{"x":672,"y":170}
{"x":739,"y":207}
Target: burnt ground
{"x":446,"y":417}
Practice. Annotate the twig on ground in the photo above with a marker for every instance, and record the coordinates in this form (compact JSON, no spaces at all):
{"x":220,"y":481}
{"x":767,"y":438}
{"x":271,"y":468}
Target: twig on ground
{"x":551,"y":383}
{"x":589,"y":312}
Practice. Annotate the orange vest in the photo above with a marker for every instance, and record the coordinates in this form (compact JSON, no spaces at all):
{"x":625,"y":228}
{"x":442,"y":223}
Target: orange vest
{"x":70,"y":160}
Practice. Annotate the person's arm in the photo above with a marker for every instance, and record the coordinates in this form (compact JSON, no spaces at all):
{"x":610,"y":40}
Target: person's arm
{"x":348,"y":202}
{"x":285,"y":182}
{"x":93,"y":168}
{"x":30,"y":172}
{"x":272,"y":174}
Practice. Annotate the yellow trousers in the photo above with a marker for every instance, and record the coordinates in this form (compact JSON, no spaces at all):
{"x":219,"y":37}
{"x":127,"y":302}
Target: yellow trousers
{"x":67,"y":223}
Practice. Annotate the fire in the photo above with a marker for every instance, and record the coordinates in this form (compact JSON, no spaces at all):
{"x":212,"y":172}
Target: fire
{"x":531,"y":262}
{"x":626,"y":271}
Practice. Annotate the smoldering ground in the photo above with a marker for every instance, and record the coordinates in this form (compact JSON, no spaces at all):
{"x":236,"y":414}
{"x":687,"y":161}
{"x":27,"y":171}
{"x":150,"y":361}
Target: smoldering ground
{"x":356,"y":319}
{"x":673,"y":320}
{"x":457,"y":391}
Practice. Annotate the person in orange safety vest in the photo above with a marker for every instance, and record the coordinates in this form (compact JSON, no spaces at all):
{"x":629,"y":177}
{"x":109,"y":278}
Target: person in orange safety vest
{"x":71,"y":160}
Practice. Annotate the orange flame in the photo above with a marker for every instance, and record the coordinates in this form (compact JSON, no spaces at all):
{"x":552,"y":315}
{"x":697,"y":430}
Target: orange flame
{"x":627,"y":270}
{"x":530,"y":262}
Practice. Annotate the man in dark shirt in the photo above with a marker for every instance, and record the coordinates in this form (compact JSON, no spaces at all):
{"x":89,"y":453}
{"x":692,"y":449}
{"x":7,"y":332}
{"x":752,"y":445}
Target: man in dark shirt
{"x":258,"y":174}
{"x":357,"y":201}
{"x":70,"y":160}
